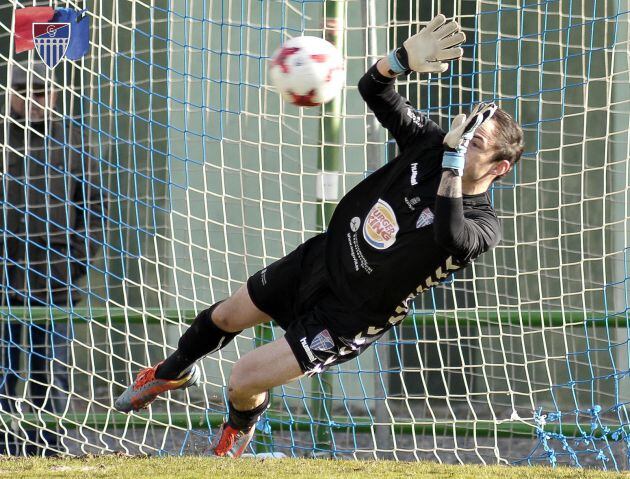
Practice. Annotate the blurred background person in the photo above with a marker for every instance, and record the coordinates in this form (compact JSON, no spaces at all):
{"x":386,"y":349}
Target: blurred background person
{"x":51,"y":227}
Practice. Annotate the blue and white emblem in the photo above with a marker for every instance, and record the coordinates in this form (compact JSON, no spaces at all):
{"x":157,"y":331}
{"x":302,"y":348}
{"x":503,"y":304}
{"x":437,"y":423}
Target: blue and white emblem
{"x":51,"y":41}
{"x":322,"y":342}
{"x":425,"y":218}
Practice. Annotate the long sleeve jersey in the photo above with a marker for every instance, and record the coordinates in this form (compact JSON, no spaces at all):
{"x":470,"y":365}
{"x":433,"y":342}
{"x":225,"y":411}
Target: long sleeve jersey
{"x":392,"y":237}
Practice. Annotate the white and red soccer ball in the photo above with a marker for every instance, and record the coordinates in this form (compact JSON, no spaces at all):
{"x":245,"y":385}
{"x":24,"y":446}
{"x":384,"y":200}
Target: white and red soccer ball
{"x":307,"y":71}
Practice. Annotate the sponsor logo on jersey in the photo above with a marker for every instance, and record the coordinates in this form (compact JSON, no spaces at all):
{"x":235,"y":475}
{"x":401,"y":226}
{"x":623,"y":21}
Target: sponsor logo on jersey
{"x":322,"y":342}
{"x":358,"y":258}
{"x":380,"y":226}
{"x":411,"y":203}
{"x":355,"y":223}
{"x":414,"y":174}
{"x":425,"y":218}
{"x":309,"y":353}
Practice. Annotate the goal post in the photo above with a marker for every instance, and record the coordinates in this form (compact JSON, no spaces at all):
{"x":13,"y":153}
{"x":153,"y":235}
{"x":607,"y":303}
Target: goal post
{"x":208,"y":177}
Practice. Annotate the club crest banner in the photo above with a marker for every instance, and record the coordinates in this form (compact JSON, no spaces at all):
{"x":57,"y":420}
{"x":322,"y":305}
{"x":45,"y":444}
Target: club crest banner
{"x":51,"y":41}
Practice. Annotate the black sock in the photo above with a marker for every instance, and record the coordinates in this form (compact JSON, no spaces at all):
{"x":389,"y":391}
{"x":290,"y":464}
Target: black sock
{"x":244,"y":420}
{"x":202,"y":338}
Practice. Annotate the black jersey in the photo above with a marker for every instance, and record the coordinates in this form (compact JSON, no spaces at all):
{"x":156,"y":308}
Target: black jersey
{"x":391,"y":237}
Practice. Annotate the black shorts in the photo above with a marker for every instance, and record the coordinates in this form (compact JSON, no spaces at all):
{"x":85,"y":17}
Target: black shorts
{"x":295,"y":292}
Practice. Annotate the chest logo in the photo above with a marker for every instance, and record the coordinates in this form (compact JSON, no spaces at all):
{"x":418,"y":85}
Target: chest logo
{"x":425,"y":218}
{"x":380,"y":226}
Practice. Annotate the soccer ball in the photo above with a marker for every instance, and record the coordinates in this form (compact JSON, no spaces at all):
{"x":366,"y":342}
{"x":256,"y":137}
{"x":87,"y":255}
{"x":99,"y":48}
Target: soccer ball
{"x":307,"y":71}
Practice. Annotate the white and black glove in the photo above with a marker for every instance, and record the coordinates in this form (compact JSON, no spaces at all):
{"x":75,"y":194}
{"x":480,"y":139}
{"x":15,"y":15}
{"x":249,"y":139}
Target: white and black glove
{"x":428,"y":50}
{"x":462,"y":130}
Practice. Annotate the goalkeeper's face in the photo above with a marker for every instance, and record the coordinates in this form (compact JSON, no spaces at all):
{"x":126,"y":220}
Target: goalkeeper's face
{"x":481,"y":164}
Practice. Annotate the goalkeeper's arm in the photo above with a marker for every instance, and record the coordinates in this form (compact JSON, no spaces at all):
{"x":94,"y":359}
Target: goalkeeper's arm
{"x":423,"y":52}
{"x":465,"y":238}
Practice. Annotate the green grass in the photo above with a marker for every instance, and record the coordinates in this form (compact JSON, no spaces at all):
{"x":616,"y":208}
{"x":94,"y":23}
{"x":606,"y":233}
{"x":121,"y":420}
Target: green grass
{"x":202,"y":467}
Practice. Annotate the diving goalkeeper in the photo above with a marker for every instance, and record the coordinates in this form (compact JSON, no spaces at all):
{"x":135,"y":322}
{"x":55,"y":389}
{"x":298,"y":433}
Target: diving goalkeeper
{"x":401,"y":231}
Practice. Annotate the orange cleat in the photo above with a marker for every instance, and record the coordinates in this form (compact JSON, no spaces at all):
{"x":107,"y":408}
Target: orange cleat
{"x":231,"y":442}
{"x":147,"y":387}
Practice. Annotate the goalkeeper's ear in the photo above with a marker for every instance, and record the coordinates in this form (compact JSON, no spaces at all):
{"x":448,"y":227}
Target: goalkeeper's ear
{"x":501,"y":168}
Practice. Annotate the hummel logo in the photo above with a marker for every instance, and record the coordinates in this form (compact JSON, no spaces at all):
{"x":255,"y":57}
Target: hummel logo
{"x":415,"y":118}
{"x":307,"y":350}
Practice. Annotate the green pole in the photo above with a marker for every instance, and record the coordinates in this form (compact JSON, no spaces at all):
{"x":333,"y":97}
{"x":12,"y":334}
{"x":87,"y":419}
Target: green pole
{"x":330,"y":168}
{"x":330,"y":159}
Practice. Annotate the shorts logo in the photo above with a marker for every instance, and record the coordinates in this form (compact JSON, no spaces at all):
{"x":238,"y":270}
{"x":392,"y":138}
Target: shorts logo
{"x":309,"y":353}
{"x":263,"y":277}
{"x":425,"y":218}
{"x":380,"y":226}
{"x":322,"y":342}
{"x":355,"y":223}
{"x":414,"y":174}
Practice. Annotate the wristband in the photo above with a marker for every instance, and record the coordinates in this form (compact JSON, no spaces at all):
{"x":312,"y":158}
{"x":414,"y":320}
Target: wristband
{"x":453,"y":160}
{"x":395,"y":67}
{"x":403,"y":59}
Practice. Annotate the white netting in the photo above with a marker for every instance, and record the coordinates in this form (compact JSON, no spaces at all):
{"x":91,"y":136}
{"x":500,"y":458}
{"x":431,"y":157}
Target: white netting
{"x":207,"y":177}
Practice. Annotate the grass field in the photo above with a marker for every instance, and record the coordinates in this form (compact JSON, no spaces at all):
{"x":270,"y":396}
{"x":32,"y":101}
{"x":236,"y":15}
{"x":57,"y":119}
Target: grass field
{"x":197,"y":467}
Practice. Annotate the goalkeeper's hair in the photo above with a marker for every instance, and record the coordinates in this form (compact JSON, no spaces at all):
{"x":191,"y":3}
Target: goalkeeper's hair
{"x":508,"y":141}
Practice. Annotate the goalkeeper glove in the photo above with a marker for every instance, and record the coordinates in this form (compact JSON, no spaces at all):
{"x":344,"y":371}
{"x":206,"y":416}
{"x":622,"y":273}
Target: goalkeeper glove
{"x":462,"y":130}
{"x":426,"y":51}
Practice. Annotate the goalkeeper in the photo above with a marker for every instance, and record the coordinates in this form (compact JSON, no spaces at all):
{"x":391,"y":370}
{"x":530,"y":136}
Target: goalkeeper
{"x":401,"y":231}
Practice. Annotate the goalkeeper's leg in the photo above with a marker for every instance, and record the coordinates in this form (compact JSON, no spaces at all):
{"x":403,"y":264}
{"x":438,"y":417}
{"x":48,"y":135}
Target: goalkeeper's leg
{"x":268,"y":366}
{"x":211,"y":331}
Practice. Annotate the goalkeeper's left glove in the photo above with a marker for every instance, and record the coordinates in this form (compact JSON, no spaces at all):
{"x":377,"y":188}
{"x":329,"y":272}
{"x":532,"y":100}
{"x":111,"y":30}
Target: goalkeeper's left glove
{"x":426,"y":51}
{"x":462,"y":130}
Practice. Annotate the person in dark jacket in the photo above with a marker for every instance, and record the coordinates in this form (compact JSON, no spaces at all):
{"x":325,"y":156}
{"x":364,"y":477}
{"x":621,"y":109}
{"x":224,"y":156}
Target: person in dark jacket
{"x":401,"y":231}
{"x":51,"y":228}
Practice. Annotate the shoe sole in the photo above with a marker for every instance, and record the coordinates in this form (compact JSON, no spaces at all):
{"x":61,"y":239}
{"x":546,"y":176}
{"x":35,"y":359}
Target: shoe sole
{"x":244,"y":446}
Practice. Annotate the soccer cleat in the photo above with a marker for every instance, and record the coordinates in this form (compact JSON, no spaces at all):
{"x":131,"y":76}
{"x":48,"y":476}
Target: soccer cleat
{"x":147,"y":387}
{"x":231,"y":442}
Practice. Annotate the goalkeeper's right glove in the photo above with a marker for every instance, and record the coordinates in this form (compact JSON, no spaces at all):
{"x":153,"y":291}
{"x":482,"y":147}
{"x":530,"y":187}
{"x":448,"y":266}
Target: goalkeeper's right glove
{"x":426,"y":51}
{"x":462,"y":130}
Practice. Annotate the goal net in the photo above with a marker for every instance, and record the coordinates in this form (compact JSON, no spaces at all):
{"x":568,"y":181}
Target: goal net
{"x":193,"y":175}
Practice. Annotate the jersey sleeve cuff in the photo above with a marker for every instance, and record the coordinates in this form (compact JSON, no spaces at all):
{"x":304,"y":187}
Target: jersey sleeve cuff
{"x":377,"y":77}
